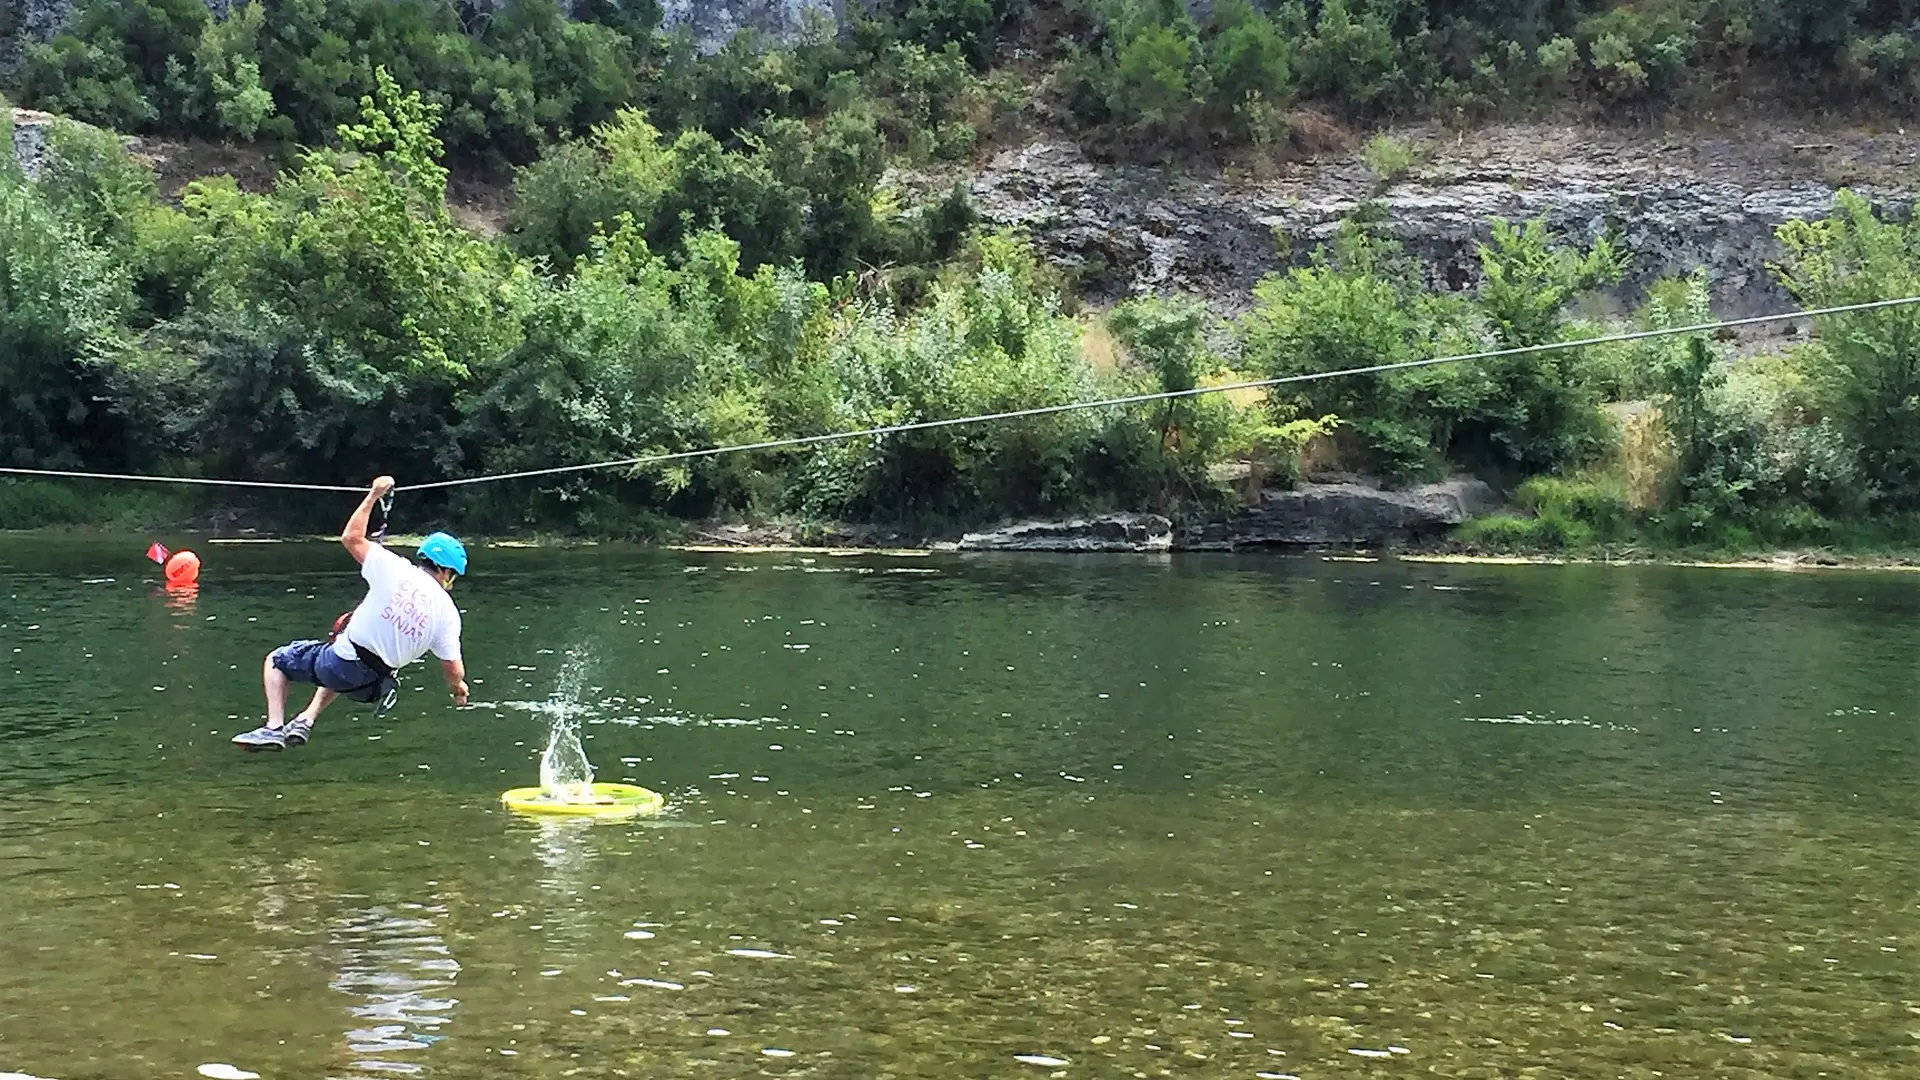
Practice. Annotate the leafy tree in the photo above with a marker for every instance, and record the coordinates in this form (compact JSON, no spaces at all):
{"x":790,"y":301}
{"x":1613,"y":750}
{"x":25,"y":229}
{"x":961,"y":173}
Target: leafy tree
{"x":1526,"y":283}
{"x":581,"y":73}
{"x":1871,"y":378}
{"x":608,"y":367}
{"x":972,"y":26}
{"x":1354,"y":306}
{"x":1168,"y":339}
{"x":63,"y":302}
{"x":1151,"y":93}
{"x":1351,"y":55}
{"x":228,"y":59}
{"x":123,"y":64}
{"x":1247,"y":57}
{"x":351,"y":288}
{"x":1537,"y":411}
{"x":90,"y":181}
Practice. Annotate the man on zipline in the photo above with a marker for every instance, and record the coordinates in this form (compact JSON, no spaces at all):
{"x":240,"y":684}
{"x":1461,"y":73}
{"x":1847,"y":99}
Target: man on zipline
{"x":407,"y":613}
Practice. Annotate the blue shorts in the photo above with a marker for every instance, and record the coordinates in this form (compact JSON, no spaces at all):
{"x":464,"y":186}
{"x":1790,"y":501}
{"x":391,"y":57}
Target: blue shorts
{"x":315,"y":663}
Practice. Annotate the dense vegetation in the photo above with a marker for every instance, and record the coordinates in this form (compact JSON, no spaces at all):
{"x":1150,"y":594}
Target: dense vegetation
{"x":1666,"y":442}
{"x":709,"y":249}
{"x":934,"y":77}
{"x":344,"y":324}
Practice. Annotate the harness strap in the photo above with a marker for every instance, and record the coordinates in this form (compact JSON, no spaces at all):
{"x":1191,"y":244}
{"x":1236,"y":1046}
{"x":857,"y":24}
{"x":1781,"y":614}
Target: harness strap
{"x":371,"y":660}
{"x":367,"y":657}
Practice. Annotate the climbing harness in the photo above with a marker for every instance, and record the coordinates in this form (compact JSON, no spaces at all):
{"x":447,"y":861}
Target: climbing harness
{"x":376,"y":532}
{"x":1013,"y":414}
{"x":382,"y":509}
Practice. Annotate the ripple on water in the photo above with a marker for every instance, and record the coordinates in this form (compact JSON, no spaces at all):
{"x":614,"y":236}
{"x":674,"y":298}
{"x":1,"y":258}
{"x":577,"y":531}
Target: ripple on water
{"x":1021,"y":941}
{"x":398,"y":966}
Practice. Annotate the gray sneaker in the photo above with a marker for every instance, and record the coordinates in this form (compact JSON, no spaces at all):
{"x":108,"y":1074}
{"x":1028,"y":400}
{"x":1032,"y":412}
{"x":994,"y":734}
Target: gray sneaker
{"x":298,"y":732}
{"x":262,"y":738}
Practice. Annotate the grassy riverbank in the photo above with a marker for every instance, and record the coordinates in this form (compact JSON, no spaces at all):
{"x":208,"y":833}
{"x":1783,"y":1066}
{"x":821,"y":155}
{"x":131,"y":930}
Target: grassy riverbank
{"x":30,"y":509}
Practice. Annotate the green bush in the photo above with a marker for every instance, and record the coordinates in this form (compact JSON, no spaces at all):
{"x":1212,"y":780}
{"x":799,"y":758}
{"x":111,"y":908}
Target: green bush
{"x":1869,"y":382}
{"x":972,"y":27}
{"x":1352,"y":55}
{"x":41,"y":504}
{"x":1388,"y":156}
{"x":1504,"y":534}
{"x":64,"y":300}
{"x":334,"y":319}
{"x":89,"y":180}
{"x":1157,"y":81}
{"x":1166,"y":344}
{"x":1559,"y":515}
{"x":228,"y":60}
{"x":1247,"y":57}
{"x":1139,"y":76}
{"x":1575,"y":512}
{"x":123,"y":64}
{"x":1536,"y":411}
{"x":1359,"y":304}
{"x":1640,"y":51}
{"x":794,"y":192}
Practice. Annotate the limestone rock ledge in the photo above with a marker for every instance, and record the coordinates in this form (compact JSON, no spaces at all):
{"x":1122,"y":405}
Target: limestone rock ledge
{"x":1342,"y":515}
{"x":1311,"y":515}
{"x":1101,"y":532}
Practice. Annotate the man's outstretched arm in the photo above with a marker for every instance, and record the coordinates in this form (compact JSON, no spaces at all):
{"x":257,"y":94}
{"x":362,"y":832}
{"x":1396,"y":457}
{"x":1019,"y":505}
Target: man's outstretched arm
{"x":354,"y":536}
{"x":456,"y":673}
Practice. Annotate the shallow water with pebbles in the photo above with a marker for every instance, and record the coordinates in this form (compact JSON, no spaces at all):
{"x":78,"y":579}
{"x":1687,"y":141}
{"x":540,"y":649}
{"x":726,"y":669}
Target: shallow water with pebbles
{"x":934,"y":817}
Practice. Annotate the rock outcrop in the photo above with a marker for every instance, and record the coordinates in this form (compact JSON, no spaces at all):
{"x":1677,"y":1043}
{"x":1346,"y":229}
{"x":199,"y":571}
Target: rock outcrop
{"x":1674,"y":203}
{"x":41,"y":19}
{"x":30,"y":141}
{"x":1341,"y":515}
{"x":1102,"y":532}
{"x":1312,"y":515}
{"x":714,"y":22}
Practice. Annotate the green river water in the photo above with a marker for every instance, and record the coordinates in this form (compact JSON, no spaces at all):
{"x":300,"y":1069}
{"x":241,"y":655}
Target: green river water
{"x":972,"y":817}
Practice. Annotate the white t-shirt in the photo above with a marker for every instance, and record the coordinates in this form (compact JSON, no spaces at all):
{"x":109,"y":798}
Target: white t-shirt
{"x":406,"y":613}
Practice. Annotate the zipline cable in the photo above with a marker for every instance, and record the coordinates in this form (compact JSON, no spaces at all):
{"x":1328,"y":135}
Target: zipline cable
{"x":1013,"y":414}
{"x":204,"y":481}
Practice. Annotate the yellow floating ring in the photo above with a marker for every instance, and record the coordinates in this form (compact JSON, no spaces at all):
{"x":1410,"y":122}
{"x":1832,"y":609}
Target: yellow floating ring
{"x":608,"y":801}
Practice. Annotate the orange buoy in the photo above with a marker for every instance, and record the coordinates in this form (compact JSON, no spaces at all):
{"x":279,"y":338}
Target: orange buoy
{"x":183,"y":568}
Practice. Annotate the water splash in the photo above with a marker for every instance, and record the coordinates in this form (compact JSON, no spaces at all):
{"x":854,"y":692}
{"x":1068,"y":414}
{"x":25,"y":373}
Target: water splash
{"x":565,"y":772}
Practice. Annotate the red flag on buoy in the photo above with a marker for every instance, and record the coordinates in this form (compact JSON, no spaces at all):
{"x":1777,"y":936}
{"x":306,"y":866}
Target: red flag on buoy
{"x":158,"y":554}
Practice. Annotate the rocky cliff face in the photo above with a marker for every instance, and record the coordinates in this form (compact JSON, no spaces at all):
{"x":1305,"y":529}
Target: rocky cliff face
{"x":41,"y":19}
{"x":1675,"y":202}
{"x":714,"y":22}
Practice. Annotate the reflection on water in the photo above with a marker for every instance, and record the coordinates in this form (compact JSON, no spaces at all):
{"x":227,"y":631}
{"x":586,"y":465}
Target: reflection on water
{"x":396,"y":962}
{"x":181,"y":599}
{"x":1208,"y":818}
{"x":566,"y":848}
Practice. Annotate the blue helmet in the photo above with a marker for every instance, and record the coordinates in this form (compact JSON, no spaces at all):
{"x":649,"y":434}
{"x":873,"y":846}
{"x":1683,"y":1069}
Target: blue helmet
{"x":443,"y":550}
